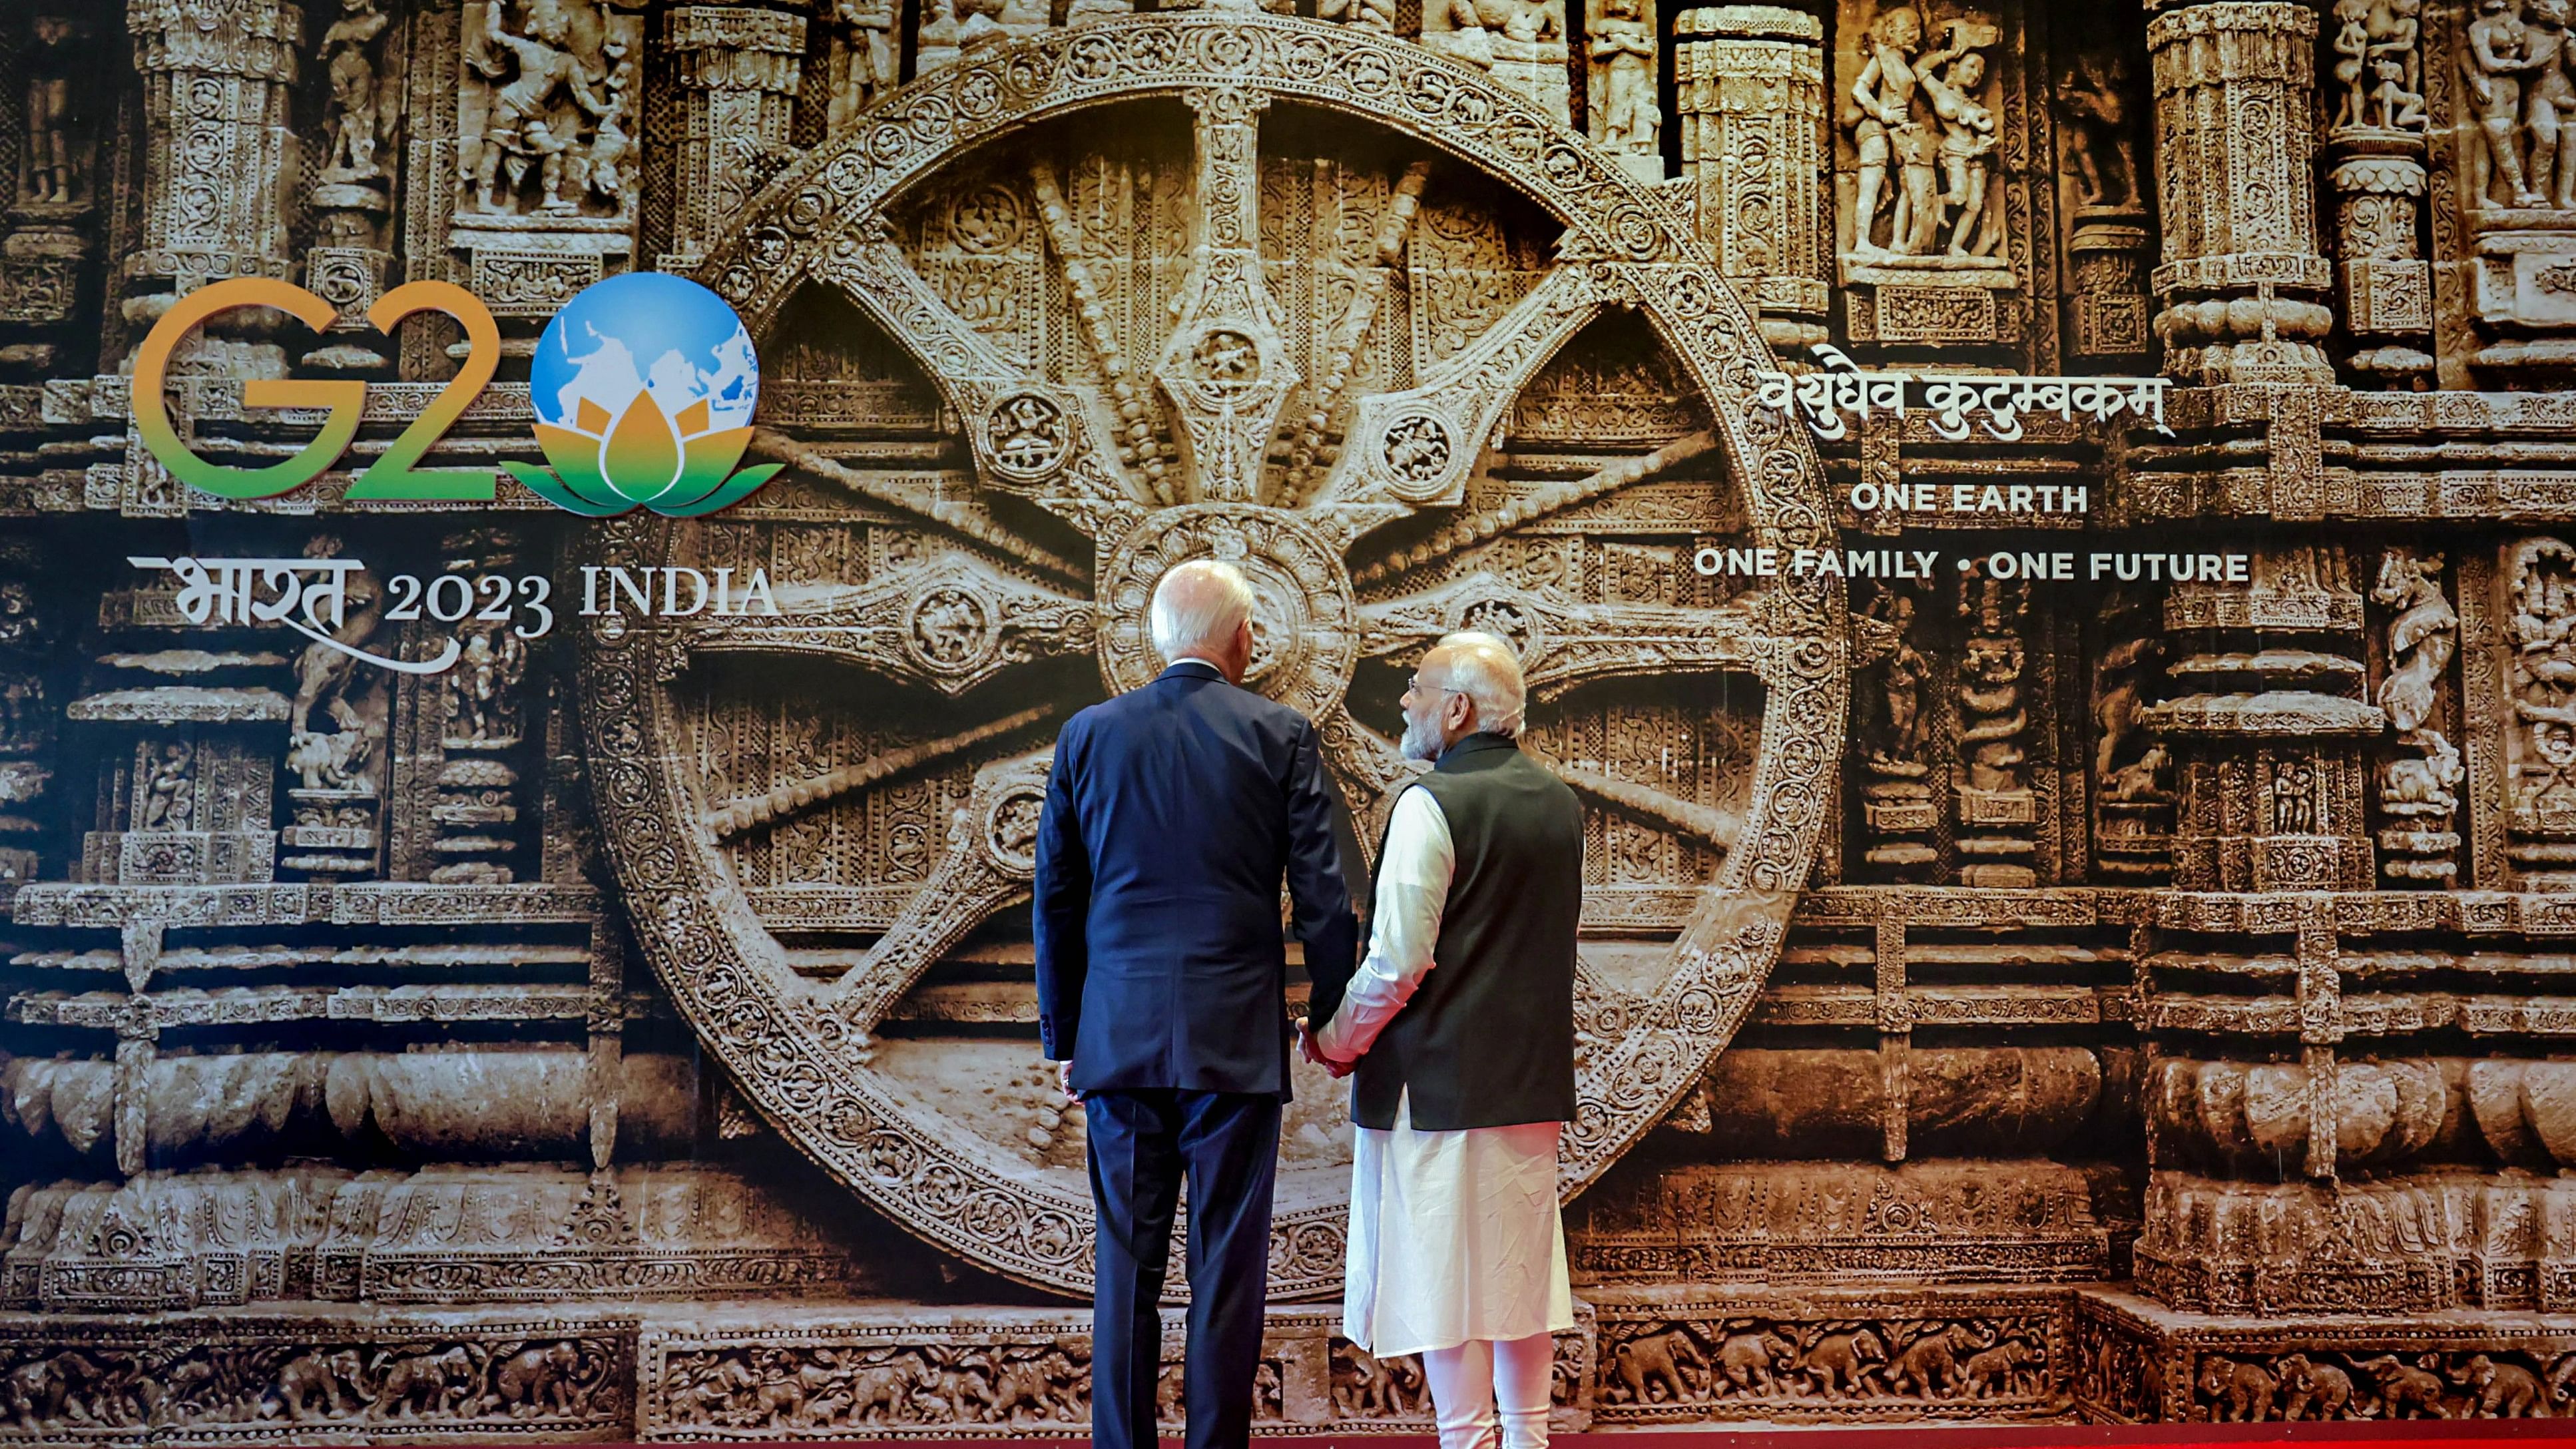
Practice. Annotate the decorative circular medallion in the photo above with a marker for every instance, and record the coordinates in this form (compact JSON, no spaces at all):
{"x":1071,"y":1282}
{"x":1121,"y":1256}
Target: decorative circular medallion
{"x":1026,"y":434}
{"x":950,"y":630}
{"x":1416,"y":451}
{"x":986,"y":220}
{"x":1011,"y":828}
{"x":1303,"y":643}
{"x":1225,"y":363}
{"x":942,"y":628}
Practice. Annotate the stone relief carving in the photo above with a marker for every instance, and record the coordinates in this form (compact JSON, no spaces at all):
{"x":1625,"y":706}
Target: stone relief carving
{"x":545,"y":108}
{"x":1626,"y":116}
{"x":2540,"y":616}
{"x":1926,"y":138}
{"x":2423,"y":791}
{"x":863,"y":59}
{"x":55,"y":165}
{"x":1833,"y":1368}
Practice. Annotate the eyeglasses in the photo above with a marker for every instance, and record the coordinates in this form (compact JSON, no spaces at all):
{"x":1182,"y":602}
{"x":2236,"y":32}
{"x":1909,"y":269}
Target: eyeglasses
{"x":1415,"y":683}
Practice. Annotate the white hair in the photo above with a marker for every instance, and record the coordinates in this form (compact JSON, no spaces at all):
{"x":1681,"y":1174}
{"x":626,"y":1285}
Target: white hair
{"x":1198,"y":605}
{"x":1484,"y":668}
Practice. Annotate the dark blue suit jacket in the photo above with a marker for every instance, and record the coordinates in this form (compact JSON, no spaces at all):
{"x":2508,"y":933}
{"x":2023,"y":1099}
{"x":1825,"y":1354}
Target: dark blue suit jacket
{"x":1172,"y":813}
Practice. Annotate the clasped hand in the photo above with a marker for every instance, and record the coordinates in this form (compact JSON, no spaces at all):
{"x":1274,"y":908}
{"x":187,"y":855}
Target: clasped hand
{"x":1306,"y":1048}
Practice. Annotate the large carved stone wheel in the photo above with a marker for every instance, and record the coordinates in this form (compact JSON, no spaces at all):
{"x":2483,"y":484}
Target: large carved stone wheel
{"x":1080,"y":247}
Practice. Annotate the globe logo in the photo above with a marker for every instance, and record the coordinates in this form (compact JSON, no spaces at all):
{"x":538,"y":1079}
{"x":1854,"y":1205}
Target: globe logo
{"x":643,"y":386}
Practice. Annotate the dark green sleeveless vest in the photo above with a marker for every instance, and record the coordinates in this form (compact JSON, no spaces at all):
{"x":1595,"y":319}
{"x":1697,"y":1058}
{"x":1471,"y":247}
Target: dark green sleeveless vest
{"x":1488,"y":1038}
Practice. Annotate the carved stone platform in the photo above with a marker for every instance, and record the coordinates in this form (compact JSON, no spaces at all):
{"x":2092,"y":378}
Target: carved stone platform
{"x":903,"y":1370}
{"x":222,"y":1376}
{"x":1695,"y":1352}
{"x":2139,"y":1362}
{"x":693,"y":1372}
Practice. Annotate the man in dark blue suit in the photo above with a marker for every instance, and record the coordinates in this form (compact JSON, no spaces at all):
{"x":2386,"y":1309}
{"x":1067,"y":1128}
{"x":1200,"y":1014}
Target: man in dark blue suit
{"x":1172,"y":814}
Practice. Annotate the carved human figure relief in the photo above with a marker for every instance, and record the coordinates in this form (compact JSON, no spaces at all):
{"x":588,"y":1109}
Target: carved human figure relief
{"x":2495,"y":61}
{"x":2376,"y":75}
{"x":546,"y":117}
{"x":2352,"y":61}
{"x":1879,"y":115}
{"x":2539,"y":643}
{"x":51,"y":171}
{"x":863,"y":59}
{"x":2397,"y":64}
{"x":2093,"y":105}
{"x":1625,"y":113}
{"x":1967,"y":154}
{"x":354,"y":122}
{"x":1922,"y":115}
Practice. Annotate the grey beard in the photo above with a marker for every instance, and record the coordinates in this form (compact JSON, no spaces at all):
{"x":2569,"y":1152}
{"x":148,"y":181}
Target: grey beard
{"x":1421,"y":739}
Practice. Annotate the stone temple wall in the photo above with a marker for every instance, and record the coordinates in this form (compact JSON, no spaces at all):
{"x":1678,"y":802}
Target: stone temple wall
{"x":2120,"y":998}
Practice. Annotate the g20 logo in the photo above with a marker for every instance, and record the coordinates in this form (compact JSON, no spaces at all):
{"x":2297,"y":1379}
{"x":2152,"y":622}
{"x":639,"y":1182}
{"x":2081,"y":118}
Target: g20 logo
{"x":643,"y":386}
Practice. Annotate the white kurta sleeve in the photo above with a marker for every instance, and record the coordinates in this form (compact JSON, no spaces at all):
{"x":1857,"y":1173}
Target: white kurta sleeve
{"x":1412,"y":886}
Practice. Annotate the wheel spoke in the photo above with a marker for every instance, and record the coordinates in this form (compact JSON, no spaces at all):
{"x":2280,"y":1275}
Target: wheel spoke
{"x":1705,"y":823}
{"x":1480,"y":528}
{"x":1317,"y":431}
{"x":951,"y":624}
{"x":987,"y":866}
{"x":1371,"y":771}
{"x":1226,"y":367}
{"x":1416,"y":448}
{"x":1562,"y":644}
{"x":750,"y":812}
{"x":1139,"y":427}
{"x":967,"y":521}
{"x":1029,"y":435}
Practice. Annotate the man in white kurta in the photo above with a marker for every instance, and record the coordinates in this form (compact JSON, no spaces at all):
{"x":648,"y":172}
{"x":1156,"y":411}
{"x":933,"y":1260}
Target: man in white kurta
{"x":1457,"y":1251}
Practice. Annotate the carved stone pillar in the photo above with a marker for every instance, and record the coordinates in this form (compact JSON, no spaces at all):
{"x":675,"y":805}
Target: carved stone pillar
{"x":218,"y":149}
{"x":2376,"y":176}
{"x":26,"y":716}
{"x":351,"y":189}
{"x":1750,"y":87}
{"x":480,"y":720}
{"x":2375,"y":171}
{"x":2235,"y":90}
{"x":2268,"y":749}
{"x":738,"y":76}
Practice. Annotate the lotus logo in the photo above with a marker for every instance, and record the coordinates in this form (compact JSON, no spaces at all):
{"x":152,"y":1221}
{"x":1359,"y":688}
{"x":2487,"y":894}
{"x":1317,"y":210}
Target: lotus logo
{"x":644,"y":385}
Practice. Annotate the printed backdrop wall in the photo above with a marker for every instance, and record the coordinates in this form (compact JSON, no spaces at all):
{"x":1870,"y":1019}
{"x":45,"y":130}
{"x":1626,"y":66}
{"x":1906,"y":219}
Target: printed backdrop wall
{"x":2041,"y":542}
